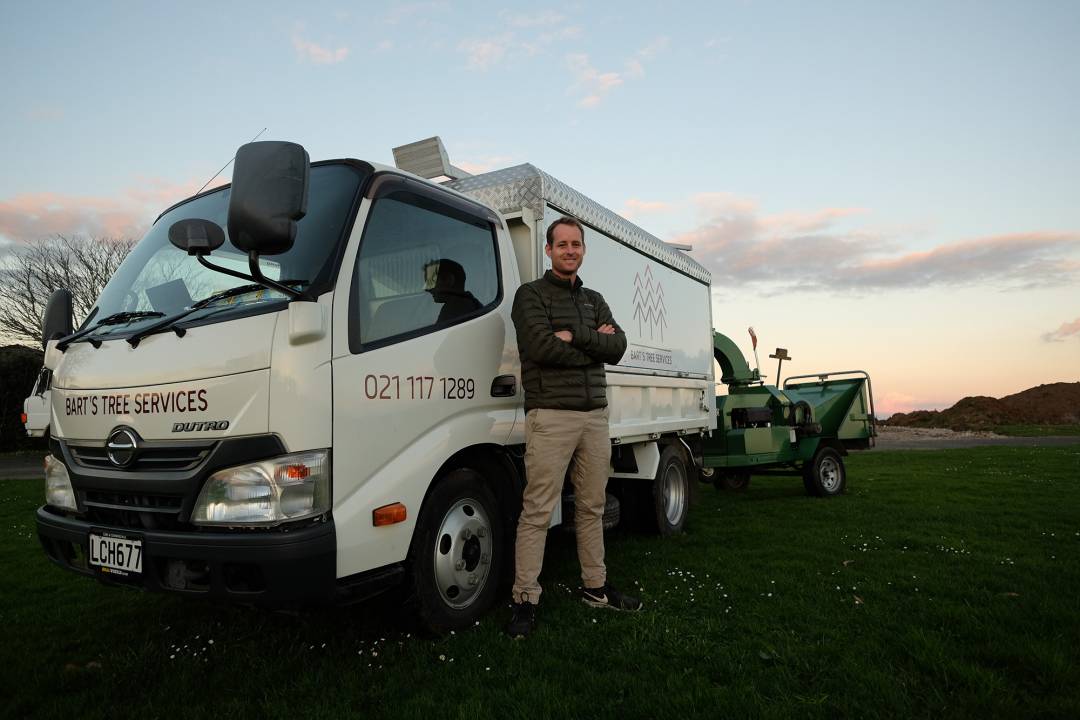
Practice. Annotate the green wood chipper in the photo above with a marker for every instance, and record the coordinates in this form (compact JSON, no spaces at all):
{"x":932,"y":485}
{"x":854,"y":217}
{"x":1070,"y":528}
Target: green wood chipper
{"x":804,"y":428}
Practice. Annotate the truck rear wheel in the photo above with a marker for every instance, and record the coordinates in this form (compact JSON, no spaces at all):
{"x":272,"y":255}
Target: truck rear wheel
{"x":671,"y":492}
{"x":824,"y":475}
{"x":457,"y":552}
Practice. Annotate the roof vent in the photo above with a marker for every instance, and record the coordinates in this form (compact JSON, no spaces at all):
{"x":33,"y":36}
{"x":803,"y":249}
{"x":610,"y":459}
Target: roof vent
{"x":428,"y":159}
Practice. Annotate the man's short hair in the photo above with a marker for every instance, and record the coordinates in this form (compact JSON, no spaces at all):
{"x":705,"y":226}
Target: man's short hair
{"x":565,"y":220}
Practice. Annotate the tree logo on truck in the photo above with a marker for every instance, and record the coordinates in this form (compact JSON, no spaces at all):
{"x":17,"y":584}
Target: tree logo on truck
{"x":649,"y":310}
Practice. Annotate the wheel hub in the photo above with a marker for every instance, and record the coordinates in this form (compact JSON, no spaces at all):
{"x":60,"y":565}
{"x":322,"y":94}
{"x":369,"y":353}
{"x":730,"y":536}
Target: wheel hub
{"x":463,"y":553}
{"x":674,"y":494}
{"x":829,"y":472}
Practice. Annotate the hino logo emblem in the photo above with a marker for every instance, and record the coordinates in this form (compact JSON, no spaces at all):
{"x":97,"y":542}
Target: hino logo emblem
{"x":122,"y":447}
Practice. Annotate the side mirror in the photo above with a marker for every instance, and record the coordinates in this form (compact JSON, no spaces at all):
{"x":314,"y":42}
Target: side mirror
{"x":196,"y":237}
{"x":56,"y":322}
{"x":269,"y":194}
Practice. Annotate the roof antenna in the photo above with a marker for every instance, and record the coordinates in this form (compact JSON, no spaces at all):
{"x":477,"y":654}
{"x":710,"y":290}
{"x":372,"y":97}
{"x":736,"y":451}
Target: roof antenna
{"x":227,"y":164}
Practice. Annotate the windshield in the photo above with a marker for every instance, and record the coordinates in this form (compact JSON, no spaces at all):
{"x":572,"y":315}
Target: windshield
{"x":158,"y":279}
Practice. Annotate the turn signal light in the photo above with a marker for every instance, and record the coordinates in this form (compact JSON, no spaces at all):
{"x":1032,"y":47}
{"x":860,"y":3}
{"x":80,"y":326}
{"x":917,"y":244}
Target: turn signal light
{"x":388,"y":515}
{"x":297,"y":472}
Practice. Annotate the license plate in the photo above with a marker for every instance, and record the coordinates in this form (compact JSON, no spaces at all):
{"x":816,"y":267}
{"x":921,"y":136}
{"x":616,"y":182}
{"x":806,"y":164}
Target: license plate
{"x":116,"y":554}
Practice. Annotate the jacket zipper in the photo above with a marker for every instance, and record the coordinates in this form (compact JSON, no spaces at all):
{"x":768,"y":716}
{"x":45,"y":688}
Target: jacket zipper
{"x":581,"y":323}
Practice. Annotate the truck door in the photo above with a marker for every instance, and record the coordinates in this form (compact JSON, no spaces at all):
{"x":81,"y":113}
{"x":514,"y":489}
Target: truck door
{"x":425,"y":357}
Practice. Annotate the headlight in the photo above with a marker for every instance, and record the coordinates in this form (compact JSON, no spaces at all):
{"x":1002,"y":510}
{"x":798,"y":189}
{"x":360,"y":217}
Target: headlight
{"x":58,"y":492}
{"x":290,"y":487}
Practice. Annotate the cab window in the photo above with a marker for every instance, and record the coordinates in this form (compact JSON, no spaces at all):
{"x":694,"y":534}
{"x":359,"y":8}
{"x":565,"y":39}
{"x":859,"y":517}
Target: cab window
{"x":423,"y":266}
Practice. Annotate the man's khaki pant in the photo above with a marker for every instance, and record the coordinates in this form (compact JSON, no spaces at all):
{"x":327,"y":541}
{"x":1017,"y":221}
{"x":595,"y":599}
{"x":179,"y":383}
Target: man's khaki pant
{"x":554,"y":438}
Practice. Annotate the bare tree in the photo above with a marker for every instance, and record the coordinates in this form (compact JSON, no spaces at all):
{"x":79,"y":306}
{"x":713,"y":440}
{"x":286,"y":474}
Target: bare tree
{"x":28,"y":276}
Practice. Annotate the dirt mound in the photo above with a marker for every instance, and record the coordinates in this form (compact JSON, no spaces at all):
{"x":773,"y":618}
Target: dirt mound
{"x":1053,"y":404}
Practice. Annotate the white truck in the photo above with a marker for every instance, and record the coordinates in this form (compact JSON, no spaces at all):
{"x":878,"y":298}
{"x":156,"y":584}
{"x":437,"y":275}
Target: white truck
{"x":304,"y":387}
{"x":36,"y":407}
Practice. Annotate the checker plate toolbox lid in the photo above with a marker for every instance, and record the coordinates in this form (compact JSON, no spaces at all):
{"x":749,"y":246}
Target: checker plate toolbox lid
{"x":526,"y":186}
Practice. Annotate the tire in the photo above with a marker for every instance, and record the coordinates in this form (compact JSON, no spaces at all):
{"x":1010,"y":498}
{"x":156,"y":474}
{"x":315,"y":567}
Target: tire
{"x":671,"y":492}
{"x":732,"y":481}
{"x":458,"y":552}
{"x":612,"y":512}
{"x":824,"y":475}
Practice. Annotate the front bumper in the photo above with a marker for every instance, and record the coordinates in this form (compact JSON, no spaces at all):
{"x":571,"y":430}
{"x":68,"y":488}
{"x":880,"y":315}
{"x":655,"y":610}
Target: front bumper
{"x":275,"y":569}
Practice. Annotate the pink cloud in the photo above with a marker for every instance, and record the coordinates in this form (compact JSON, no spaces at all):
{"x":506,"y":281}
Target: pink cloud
{"x":484,"y":165}
{"x":536,"y":42}
{"x":634,"y":207}
{"x":417,"y":13}
{"x":1067,"y":329}
{"x":655,"y":47}
{"x":819,"y":250}
{"x":805,"y":222}
{"x":1024,"y":258}
{"x":588,"y":80}
{"x":128,"y":214}
{"x":482,"y":54}
{"x":317,"y":54}
{"x":531,"y":20}
{"x":890,"y":402}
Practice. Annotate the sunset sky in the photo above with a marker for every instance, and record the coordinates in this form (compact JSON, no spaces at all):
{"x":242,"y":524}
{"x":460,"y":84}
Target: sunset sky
{"x":885,"y":186}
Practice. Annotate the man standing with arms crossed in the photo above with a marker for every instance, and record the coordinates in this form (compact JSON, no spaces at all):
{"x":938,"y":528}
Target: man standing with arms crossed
{"x":565,"y":334}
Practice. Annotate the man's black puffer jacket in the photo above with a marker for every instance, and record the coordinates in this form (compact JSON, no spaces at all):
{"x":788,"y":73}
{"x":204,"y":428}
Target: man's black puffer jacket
{"x":556,"y":374}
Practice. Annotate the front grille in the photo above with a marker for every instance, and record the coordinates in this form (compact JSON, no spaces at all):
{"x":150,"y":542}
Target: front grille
{"x":133,"y":510}
{"x":151,"y":456}
{"x":134,"y":501}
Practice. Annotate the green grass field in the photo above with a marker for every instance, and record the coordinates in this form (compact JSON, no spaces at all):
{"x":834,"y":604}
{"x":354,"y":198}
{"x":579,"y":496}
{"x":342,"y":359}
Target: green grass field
{"x":944,"y":584}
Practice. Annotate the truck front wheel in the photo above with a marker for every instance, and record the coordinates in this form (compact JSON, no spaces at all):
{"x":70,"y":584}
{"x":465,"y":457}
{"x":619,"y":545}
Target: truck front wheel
{"x":824,"y":475}
{"x":457,"y":553}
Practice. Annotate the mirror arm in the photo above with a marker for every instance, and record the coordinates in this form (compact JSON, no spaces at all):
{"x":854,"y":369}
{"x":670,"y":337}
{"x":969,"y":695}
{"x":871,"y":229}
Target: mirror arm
{"x":201,"y":257}
{"x":256,"y":274}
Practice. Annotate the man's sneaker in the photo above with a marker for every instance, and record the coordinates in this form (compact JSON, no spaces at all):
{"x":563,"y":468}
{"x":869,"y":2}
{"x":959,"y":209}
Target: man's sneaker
{"x":609,"y":597}
{"x":522,"y":619}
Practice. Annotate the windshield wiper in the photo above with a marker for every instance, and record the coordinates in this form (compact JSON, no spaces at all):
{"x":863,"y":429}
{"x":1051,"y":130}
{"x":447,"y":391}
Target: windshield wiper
{"x":171,"y":321}
{"x":114,"y":319}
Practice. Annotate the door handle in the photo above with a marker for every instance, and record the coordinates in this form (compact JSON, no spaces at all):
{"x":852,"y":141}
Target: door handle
{"x":504,"y":386}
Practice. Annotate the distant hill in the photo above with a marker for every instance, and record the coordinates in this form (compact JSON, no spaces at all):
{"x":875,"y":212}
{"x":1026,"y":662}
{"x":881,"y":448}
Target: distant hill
{"x":1053,"y":404}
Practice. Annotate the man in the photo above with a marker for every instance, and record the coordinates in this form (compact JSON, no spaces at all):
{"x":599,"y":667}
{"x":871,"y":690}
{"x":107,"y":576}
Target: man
{"x":565,"y":335}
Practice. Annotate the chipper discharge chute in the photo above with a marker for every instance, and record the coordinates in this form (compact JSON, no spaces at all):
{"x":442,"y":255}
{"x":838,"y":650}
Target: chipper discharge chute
{"x":804,"y":428}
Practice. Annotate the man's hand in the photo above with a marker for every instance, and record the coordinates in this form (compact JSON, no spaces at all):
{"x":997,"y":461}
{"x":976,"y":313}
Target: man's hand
{"x":565,"y":335}
{"x":606,"y":329}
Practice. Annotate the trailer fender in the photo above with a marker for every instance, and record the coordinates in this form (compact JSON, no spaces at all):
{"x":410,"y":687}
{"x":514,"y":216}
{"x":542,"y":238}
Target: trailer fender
{"x":835,"y":444}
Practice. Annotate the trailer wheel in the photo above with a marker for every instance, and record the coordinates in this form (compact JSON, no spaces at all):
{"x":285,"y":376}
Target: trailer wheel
{"x":824,"y":475}
{"x":733,"y":481}
{"x":671,"y":492}
{"x":457,"y":552}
